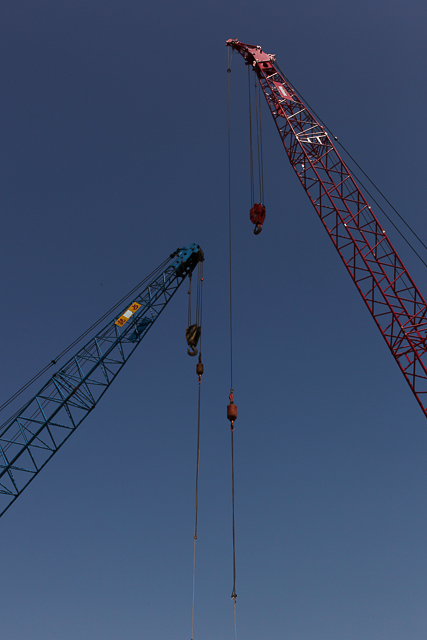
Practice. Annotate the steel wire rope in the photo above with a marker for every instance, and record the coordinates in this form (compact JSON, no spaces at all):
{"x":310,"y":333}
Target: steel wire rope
{"x":258,"y":137}
{"x":11,"y":419}
{"x":75,"y":342}
{"x":71,"y":367}
{"x":199,"y":298}
{"x":363,"y":213}
{"x":251,"y":158}
{"x":233,"y":594}
{"x":43,"y":404}
{"x":368,"y":221}
{"x":371,"y":181}
{"x":38,"y":439}
{"x":199,"y":307}
{"x":70,"y":370}
{"x":196,"y":504}
{"x":189,"y":299}
{"x":229,"y":220}
{"x":18,"y":433}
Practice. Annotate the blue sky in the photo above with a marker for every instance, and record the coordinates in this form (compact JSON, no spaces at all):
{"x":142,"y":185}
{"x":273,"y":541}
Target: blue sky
{"x":114,"y":153}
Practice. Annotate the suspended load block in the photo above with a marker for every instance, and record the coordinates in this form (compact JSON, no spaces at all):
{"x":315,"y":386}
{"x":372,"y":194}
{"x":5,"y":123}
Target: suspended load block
{"x":257,"y":216}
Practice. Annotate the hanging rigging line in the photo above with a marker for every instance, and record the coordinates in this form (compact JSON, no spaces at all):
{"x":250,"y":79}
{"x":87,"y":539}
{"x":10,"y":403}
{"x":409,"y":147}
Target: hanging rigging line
{"x":229,"y":225}
{"x":260,"y":144}
{"x":251,"y":157}
{"x":199,"y":372}
{"x":233,"y":594}
{"x":259,"y":139}
{"x":194,"y":331}
{"x":257,"y":211}
{"x":77,"y":340}
{"x":371,"y":181}
{"x":231,"y":409}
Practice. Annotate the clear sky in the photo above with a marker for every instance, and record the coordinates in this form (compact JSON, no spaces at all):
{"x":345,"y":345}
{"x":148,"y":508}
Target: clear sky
{"x":114,"y":153}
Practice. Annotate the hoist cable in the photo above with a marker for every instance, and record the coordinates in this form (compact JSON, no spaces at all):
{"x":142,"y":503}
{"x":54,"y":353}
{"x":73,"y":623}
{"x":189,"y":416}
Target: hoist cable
{"x":196,"y":507}
{"x":257,"y":114}
{"x":76,"y":341}
{"x":260,"y":137}
{"x":231,"y":331}
{"x":229,"y":225}
{"x":189,"y":299}
{"x":371,"y":181}
{"x":199,"y":300}
{"x":199,"y":371}
{"x":194,"y":583}
{"x":251,"y":157}
{"x":233,"y":594}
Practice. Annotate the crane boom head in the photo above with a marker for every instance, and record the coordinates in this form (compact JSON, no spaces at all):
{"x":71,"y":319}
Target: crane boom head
{"x":253,"y":54}
{"x":187,"y":259}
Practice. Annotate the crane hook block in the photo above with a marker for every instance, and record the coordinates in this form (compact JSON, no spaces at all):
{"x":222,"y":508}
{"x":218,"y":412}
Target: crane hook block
{"x":232,"y":411}
{"x":257,"y":216}
{"x":192,"y":335}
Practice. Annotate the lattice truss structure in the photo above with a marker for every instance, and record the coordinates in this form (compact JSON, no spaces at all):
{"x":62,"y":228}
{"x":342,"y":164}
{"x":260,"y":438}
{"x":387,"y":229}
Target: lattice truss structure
{"x":385,"y":285}
{"x":30,"y":439}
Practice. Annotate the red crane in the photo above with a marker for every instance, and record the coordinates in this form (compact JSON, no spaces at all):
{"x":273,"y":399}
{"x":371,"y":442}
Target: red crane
{"x":382,"y":280}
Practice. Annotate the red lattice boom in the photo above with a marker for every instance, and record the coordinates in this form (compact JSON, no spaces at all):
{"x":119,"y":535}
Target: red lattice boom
{"x":388,"y":290}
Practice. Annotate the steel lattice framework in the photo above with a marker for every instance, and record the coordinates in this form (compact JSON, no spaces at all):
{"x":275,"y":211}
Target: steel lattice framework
{"x":30,"y":439}
{"x":385,"y":285}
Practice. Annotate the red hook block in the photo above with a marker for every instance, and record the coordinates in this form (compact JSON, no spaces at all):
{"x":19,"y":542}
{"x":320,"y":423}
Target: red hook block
{"x":257,"y":216}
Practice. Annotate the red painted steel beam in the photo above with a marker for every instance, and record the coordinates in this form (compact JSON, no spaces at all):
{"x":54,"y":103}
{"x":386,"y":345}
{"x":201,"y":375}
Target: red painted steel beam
{"x":385,"y":285}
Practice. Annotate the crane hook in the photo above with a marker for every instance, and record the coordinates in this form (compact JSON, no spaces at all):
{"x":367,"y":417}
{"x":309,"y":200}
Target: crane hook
{"x":192,"y":335}
{"x":257,"y":216}
{"x":192,"y":351}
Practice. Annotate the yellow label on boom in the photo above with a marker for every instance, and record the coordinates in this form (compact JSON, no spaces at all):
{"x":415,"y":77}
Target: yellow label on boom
{"x":127,"y":314}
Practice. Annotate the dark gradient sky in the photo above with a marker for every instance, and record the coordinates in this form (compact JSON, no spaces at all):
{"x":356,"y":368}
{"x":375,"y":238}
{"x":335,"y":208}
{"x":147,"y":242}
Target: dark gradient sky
{"x":113,"y":153}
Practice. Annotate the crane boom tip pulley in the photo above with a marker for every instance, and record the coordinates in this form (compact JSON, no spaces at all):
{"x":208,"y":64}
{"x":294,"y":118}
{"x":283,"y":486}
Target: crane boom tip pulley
{"x":187,"y":258}
{"x":252,"y":53}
